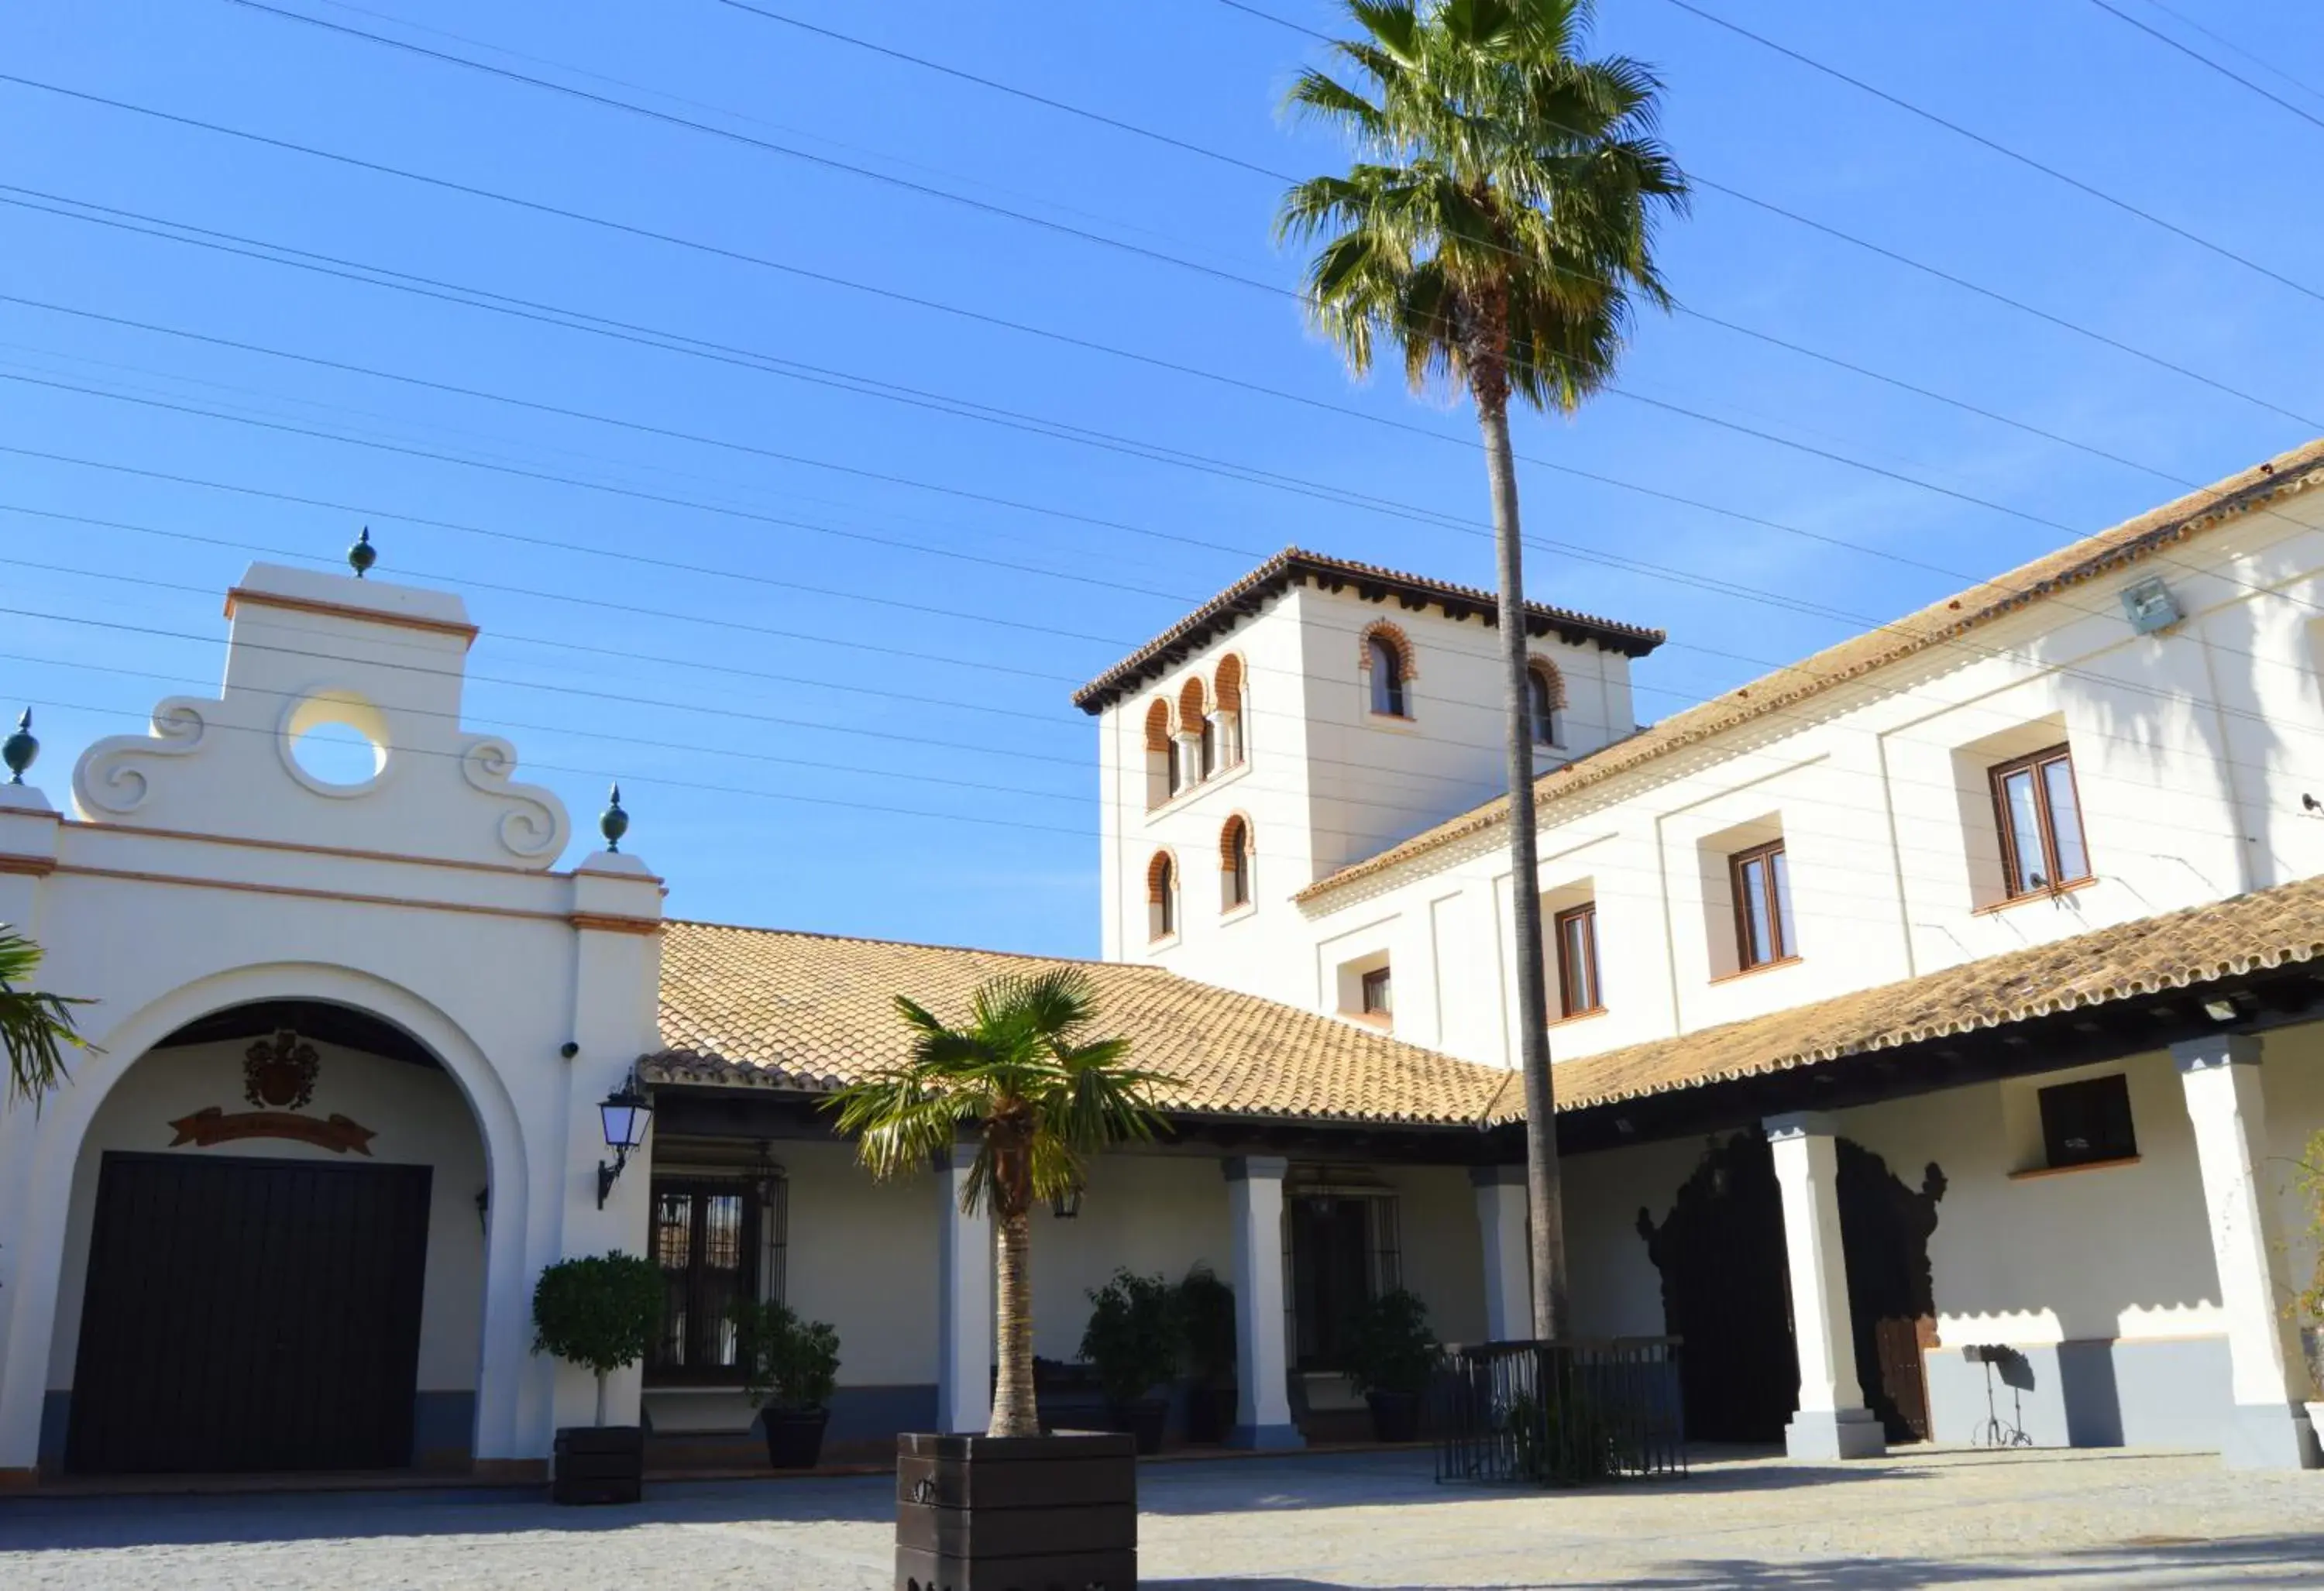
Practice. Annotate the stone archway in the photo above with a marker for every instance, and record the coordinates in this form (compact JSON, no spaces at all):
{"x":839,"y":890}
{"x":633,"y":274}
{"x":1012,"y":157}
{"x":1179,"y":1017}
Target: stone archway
{"x":504,"y":1383}
{"x":1720,"y":1253}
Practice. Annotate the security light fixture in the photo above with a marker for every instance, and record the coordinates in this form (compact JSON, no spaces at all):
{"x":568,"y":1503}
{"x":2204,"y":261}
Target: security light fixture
{"x":2219,"y":1010}
{"x":2150,"y":606}
{"x":627,"y":1113}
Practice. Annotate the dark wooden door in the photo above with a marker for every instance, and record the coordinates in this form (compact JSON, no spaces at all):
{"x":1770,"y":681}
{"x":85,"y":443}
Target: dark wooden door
{"x":249,"y":1315}
{"x":1903,"y":1380}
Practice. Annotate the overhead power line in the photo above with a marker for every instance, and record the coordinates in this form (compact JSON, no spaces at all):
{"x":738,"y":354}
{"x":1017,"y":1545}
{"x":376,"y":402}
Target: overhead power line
{"x":2311,"y":117}
{"x":1995,"y":146}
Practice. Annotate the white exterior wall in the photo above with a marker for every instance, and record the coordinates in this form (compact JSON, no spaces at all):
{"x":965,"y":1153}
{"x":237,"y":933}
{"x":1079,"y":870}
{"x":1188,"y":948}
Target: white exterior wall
{"x":1878,"y":791}
{"x":203,"y":870}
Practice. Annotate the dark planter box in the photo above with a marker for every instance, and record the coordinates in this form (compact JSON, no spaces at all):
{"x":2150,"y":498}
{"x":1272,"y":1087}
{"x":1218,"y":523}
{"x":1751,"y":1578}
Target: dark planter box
{"x":794,"y":1436}
{"x":1017,"y":1514}
{"x":1210,"y":1414}
{"x":1395,"y":1416}
{"x":600,"y":1464}
{"x":1146,"y":1421}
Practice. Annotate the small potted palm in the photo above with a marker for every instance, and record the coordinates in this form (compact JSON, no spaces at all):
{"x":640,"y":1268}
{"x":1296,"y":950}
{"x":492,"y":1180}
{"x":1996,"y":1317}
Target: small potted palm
{"x":790,"y":1367}
{"x":598,"y":1312}
{"x":1206,"y":1309}
{"x":1391,"y":1354}
{"x":1133,"y":1338}
{"x":1028,"y":1091}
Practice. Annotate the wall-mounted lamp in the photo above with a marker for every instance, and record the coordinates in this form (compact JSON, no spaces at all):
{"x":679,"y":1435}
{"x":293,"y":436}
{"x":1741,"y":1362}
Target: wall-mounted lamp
{"x":1067,"y":1205}
{"x":2220,"y":1010}
{"x":627,"y":1113}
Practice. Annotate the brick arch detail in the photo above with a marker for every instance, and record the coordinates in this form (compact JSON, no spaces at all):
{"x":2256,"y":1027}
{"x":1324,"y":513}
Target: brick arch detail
{"x":1557,"y":678}
{"x":1226,"y":684}
{"x":1160,"y":874}
{"x":1236,"y":823}
{"x":1191,"y":711}
{"x":1382,"y":629}
{"x":1157,"y":725}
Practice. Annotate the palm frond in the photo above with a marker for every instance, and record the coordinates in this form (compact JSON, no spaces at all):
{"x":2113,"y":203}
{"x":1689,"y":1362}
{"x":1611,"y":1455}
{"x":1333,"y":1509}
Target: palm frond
{"x":35,"y":1028}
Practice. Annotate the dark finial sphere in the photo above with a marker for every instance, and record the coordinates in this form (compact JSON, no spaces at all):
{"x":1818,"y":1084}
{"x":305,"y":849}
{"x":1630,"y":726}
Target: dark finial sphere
{"x":614,"y":822}
{"x":362,"y":555}
{"x":20,"y":749}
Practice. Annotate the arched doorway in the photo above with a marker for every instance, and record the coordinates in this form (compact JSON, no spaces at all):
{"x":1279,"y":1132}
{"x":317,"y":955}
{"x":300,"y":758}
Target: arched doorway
{"x":1726,"y":1290}
{"x":275,"y":1253}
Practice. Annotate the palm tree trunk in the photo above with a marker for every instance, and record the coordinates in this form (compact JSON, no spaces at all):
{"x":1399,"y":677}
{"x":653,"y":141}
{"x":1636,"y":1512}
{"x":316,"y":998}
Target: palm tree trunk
{"x":1545,"y":1185}
{"x":1014,"y":1411}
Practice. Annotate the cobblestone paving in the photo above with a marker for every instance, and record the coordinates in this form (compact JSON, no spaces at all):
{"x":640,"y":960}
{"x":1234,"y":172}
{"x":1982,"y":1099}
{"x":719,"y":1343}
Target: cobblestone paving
{"x":2088,"y":1519}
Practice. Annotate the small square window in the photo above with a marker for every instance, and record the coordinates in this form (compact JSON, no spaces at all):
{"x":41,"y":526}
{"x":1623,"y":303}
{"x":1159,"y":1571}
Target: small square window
{"x":2040,"y":814}
{"x":1375,"y":999}
{"x":1761,"y":882}
{"x":1576,"y":932}
{"x":2085,"y":1122}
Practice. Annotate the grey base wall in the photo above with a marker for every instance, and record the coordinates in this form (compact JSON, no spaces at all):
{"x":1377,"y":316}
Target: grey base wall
{"x":443,"y":1429}
{"x":876,"y":1413}
{"x":2094,"y":1393}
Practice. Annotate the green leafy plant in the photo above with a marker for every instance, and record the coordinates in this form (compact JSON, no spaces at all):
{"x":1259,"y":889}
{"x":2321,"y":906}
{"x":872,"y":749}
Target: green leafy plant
{"x":1206,"y":1309}
{"x":1041,"y":1093}
{"x":35,"y":1028}
{"x":1391,"y":1347}
{"x":1493,"y":233}
{"x":2308,"y":1303}
{"x":1135,"y":1335}
{"x":598,"y":1312}
{"x":790,"y":1363}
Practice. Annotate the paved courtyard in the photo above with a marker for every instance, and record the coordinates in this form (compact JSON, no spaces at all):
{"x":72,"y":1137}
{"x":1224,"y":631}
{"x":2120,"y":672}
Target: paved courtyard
{"x":2025,"y":1518}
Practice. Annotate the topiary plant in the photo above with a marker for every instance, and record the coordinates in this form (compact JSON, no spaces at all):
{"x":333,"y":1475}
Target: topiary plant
{"x":1391,"y":1347}
{"x":787,"y":1362}
{"x":1206,"y":1308}
{"x":598,"y":1312}
{"x":1134,"y":1335}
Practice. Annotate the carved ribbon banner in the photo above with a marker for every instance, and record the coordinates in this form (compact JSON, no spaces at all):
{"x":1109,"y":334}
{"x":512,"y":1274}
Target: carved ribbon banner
{"x":213,"y":1126}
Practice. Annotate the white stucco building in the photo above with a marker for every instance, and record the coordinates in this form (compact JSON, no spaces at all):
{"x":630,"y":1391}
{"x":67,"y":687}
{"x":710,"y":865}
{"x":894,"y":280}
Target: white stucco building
{"x":1950,"y":988}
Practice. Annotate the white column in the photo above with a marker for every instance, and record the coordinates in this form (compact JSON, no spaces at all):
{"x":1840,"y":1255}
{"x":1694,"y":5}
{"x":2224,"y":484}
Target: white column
{"x":1509,"y":1262}
{"x":1262,"y":1349}
{"x":963,"y":1304}
{"x":2267,"y":1429}
{"x":1831,"y":1422}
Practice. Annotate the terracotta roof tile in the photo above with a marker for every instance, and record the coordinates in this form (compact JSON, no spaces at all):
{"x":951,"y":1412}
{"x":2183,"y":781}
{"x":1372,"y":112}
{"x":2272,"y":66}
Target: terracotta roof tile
{"x":2200,"y":944}
{"x":1275,"y":575}
{"x":2126,"y":543}
{"x":760,"y":1007}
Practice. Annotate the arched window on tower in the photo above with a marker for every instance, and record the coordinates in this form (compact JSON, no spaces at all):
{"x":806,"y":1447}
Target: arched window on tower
{"x":1161,"y":898}
{"x":1201,"y":747}
{"x":1227,"y":689}
{"x":1161,"y":756}
{"x":1545,"y":696}
{"x":1387,"y":660}
{"x":1234,"y":864}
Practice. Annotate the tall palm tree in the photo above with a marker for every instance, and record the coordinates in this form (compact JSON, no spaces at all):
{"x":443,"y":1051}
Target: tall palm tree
{"x":1495,"y":231}
{"x":34,"y":1027}
{"x":1040,"y":1093}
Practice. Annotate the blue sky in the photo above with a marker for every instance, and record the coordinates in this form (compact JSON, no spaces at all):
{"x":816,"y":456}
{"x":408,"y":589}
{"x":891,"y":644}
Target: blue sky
{"x":673,"y":609}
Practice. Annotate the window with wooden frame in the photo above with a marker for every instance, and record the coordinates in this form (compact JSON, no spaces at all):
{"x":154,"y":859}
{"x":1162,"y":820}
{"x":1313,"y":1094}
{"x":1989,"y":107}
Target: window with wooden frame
{"x":2040,"y":815}
{"x":1545,"y":695}
{"x":1375,"y":995}
{"x":2087,"y":1122}
{"x":1161,"y":896}
{"x":1234,"y":864}
{"x":1762,"y":884}
{"x":1575,"y":933}
{"x":717,"y":1240}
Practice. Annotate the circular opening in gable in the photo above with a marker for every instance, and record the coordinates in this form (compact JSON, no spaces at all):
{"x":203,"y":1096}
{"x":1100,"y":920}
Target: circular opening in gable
{"x":339,"y":754}
{"x":335,"y":743}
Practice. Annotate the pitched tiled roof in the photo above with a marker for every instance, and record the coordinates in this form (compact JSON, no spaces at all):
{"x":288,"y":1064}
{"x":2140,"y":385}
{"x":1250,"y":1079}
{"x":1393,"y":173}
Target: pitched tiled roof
{"x":1278,"y":574}
{"x":758,"y":1008}
{"x":1940,"y":622}
{"x":2200,"y":944}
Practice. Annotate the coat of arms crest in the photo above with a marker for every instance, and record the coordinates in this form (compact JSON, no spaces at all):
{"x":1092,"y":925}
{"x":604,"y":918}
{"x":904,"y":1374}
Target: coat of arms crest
{"x":280,"y":1073}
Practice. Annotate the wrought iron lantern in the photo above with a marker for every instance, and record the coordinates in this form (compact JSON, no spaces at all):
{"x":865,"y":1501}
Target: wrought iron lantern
{"x":627,"y":1113}
{"x":1067,"y":1205}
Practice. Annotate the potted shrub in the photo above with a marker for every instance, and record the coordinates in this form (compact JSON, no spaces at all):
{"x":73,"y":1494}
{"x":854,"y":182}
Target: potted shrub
{"x":598,"y":1312}
{"x":1033,"y":1091}
{"x":1133,"y":1338}
{"x":1206,"y":1309}
{"x":1391,"y":1354}
{"x":790,"y":1367}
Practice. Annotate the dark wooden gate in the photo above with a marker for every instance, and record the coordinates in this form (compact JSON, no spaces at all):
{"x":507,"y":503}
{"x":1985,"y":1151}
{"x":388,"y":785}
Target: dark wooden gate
{"x":1903,"y":1380}
{"x":249,"y":1315}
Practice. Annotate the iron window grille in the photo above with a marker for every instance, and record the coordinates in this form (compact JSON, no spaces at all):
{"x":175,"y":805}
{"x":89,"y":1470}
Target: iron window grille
{"x":1341,"y":1249}
{"x":2039,"y":812}
{"x":718,"y":1239}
